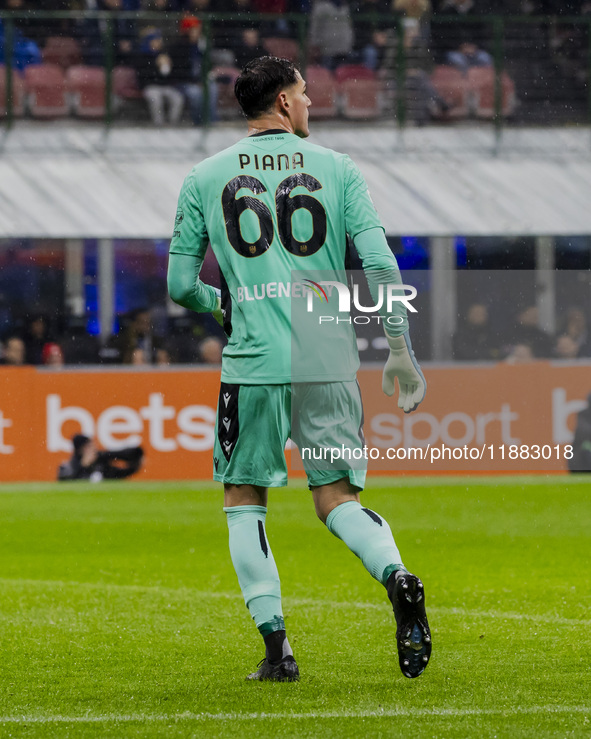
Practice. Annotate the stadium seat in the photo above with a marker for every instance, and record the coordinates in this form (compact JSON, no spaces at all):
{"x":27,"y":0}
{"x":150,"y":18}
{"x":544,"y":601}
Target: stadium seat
{"x":46,"y":91}
{"x":86,"y":86}
{"x":452,"y":86}
{"x":225,"y":77}
{"x":360,"y":98}
{"x":353,"y":72}
{"x":18,"y":92}
{"x":125,"y":84}
{"x":481,"y":86}
{"x":322,"y":91}
{"x":286,"y":48}
{"x":64,"y":51}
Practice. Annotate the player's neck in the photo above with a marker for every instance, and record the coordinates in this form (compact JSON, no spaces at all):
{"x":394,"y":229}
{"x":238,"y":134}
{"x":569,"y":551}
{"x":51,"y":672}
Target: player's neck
{"x":269,"y":123}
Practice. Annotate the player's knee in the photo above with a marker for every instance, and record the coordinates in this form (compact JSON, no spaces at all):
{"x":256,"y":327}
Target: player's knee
{"x":328,"y":497}
{"x":239,"y":495}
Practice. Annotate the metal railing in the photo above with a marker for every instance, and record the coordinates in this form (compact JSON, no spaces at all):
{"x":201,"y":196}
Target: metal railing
{"x":512,"y":41}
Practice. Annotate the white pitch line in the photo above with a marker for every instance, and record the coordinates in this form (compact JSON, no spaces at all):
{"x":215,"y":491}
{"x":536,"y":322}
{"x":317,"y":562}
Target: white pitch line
{"x":535,"y":618}
{"x":452,"y":611}
{"x":311,"y":602}
{"x":284,"y":716}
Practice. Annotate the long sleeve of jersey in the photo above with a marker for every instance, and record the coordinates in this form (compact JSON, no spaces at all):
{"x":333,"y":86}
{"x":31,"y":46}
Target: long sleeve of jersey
{"x":379,"y":264}
{"x":187,"y":252}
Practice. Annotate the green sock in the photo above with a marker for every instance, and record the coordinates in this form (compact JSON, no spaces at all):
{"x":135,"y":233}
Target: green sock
{"x":254,"y":564}
{"x":368,"y":536}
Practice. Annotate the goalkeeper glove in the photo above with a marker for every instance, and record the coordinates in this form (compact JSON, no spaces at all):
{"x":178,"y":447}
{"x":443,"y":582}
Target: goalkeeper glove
{"x":403,"y":365}
{"x":217,"y":312}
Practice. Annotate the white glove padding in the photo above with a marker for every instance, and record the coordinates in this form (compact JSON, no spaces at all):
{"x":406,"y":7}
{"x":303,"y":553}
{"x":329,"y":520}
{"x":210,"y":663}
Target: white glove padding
{"x":403,"y":365}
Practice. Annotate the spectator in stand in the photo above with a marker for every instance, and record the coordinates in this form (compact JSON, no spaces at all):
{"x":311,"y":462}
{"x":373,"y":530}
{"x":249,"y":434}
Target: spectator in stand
{"x":377,"y":54}
{"x":566,"y":347}
{"x":13,"y":353}
{"x":37,"y":334}
{"x":187,"y":331}
{"x":527,"y":331}
{"x":158,"y":80}
{"x":53,"y":26}
{"x":24,"y":50}
{"x":19,"y":6}
{"x":468,"y":55}
{"x":449,"y":37}
{"x":137,"y":335}
{"x":15,"y":5}
{"x":92,"y":32}
{"x":187,"y":61}
{"x":365,"y":27}
{"x":422,"y":98}
{"x":163,"y":357}
{"x":250,"y":47}
{"x":135,"y":356}
{"x":28,"y":26}
{"x":52,"y":355}
{"x":416,"y":14}
{"x":569,"y":44}
{"x":416,"y":30}
{"x":519,"y":354}
{"x":575,"y":327}
{"x":78,"y":346}
{"x":210,"y":350}
{"x":228,"y":34}
{"x":474,"y":340}
{"x":331,"y":33}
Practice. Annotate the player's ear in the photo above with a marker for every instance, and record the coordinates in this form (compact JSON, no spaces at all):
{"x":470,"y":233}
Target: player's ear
{"x":283,"y":100}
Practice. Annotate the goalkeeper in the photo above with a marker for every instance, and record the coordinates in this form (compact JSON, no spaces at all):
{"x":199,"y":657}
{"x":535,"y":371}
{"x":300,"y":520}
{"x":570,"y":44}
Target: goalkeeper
{"x":242,"y":201}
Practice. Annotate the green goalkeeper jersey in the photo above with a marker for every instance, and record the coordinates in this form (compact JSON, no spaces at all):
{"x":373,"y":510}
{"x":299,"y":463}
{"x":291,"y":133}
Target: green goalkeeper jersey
{"x":272,"y":205}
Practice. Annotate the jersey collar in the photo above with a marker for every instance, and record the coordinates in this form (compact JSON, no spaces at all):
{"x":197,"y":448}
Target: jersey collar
{"x":268,"y":132}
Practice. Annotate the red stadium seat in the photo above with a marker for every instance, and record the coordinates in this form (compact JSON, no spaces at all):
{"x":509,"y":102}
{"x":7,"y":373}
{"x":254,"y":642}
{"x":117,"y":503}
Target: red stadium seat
{"x":86,"y":86}
{"x":452,"y":86}
{"x":360,"y":98}
{"x":286,"y":48}
{"x":481,"y":84}
{"x":125,"y":84}
{"x":18,"y":92}
{"x":322,"y":91}
{"x":62,"y":50}
{"x":353,"y":72}
{"x":46,"y":91}
{"x":225,"y":77}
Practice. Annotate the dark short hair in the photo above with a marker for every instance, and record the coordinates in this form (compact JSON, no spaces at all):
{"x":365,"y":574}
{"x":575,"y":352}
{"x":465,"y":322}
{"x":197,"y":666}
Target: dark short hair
{"x":79,"y":441}
{"x":261,"y":81}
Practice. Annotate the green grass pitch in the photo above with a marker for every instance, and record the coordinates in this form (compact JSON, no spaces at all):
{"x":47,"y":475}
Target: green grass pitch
{"x":120,"y":614}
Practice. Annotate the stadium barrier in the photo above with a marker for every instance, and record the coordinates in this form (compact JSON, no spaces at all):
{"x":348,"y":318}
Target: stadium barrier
{"x":498,"y":411}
